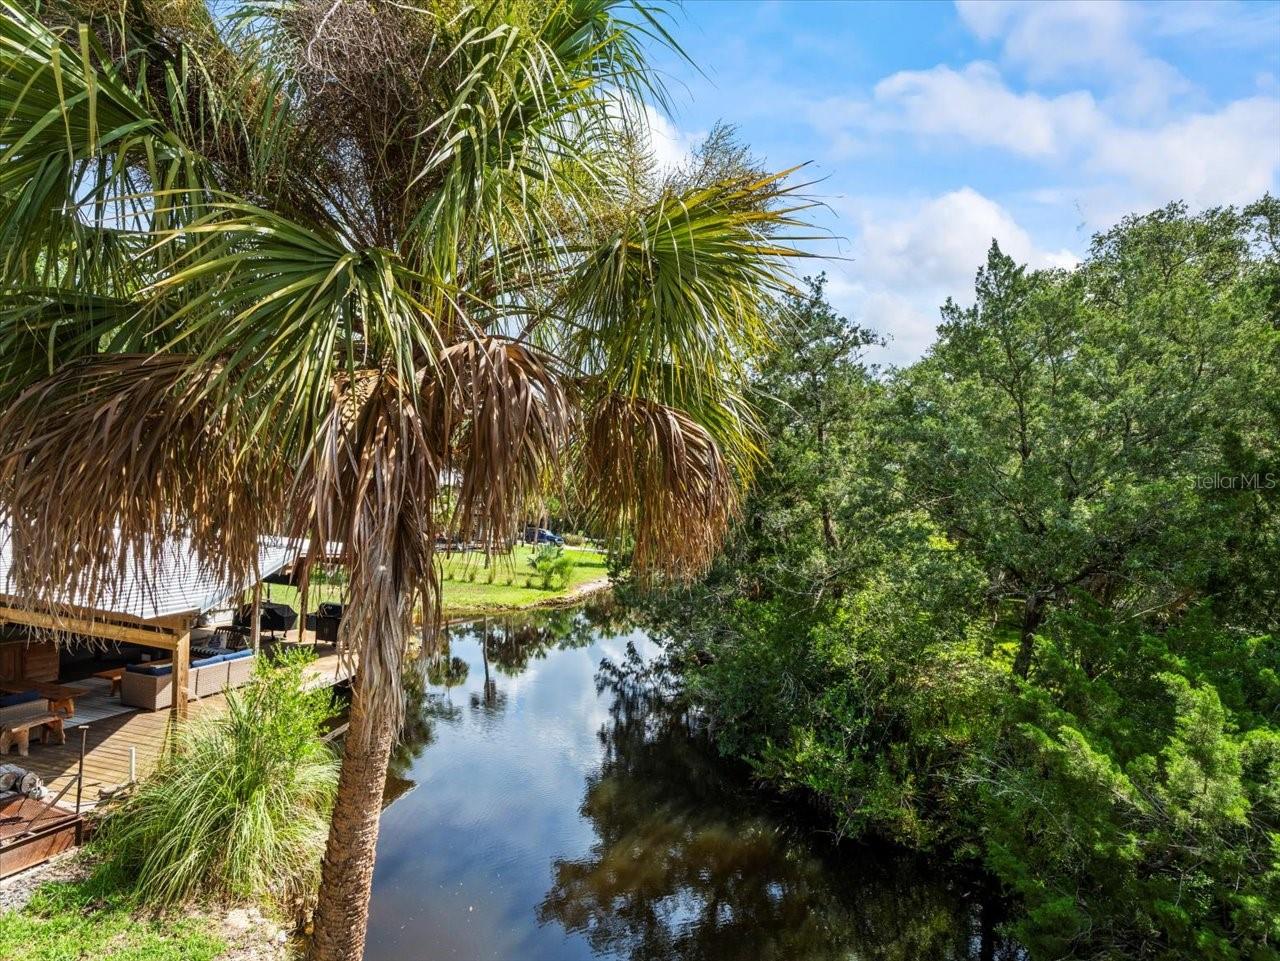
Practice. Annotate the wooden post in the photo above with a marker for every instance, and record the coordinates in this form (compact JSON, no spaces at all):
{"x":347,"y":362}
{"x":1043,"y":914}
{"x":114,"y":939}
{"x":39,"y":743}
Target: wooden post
{"x":181,"y":674}
{"x":255,"y":618}
{"x":302,"y":601}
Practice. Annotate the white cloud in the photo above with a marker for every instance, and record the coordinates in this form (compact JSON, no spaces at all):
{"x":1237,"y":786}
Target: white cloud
{"x":1064,"y":38}
{"x":1225,"y":155}
{"x":1231,"y":156}
{"x":1220,"y":23}
{"x":942,"y":242}
{"x":671,"y":146}
{"x":974,"y":103}
{"x":909,"y":326}
{"x":906,"y":263}
{"x":1049,"y":39}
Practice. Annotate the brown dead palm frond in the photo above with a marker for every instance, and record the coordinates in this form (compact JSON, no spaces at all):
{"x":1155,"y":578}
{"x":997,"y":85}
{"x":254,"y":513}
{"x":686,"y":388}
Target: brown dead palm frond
{"x":369,"y":486}
{"x":511,"y":418}
{"x":95,"y":476}
{"x":653,"y":472}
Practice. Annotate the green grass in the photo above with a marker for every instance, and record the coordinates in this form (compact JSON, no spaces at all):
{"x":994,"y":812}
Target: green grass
{"x":72,"y":920}
{"x":462,"y":594}
{"x":465,"y":595}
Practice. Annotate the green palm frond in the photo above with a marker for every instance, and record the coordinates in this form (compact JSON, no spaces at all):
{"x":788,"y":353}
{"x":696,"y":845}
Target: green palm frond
{"x":673,"y":297}
{"x":282,"y":309}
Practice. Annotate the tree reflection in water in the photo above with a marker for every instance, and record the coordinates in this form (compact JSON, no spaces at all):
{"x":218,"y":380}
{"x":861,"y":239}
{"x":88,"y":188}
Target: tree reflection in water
{"x":688,"y":866}
{"x":512,"y":643}
{"x":422,"y":710}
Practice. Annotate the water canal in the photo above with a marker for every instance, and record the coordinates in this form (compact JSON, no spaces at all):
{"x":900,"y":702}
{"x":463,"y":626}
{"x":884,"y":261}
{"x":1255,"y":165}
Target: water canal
{"x":548,"y":804}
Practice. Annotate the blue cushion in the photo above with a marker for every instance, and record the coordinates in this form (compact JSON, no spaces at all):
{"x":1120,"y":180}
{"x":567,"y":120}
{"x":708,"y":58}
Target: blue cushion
{"x":151,"y":670}
{"x":207,"y":661}
{"x":238,"y":655}
{"x":25,"y":697}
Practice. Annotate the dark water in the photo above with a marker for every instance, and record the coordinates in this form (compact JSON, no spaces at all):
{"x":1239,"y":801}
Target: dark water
{"x":559,"y":810}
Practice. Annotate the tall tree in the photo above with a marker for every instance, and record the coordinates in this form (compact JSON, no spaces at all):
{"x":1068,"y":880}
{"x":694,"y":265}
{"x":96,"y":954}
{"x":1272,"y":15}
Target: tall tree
{"x":813,"y":388}
{"x":287,"y":265}
{"x":1065,"y":427}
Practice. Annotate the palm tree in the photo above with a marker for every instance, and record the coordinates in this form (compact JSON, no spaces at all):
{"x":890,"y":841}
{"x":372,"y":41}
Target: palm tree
{"x":354,"y":271}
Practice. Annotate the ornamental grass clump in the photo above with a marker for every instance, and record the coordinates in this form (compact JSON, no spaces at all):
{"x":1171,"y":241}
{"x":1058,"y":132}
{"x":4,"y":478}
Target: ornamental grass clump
{"x":239,"y":808}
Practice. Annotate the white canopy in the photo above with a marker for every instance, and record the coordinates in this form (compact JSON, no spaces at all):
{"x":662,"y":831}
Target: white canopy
{"x":179,"y":583}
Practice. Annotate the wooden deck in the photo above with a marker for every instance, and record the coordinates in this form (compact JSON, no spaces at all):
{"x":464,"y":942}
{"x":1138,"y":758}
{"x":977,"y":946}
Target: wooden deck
{"x":119,"y":736}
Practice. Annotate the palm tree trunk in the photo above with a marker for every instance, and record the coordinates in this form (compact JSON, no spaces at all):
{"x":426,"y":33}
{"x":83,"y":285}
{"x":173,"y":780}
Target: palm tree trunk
{"x":342,"y":916}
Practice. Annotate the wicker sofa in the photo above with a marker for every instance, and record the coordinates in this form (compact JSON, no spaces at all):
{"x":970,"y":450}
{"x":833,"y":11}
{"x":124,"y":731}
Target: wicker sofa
{"x":152,"y":687}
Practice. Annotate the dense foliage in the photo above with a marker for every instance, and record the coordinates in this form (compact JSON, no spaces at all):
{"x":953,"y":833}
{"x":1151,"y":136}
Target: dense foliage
{"x":1018,"y":601}
{"x":239,"y":808}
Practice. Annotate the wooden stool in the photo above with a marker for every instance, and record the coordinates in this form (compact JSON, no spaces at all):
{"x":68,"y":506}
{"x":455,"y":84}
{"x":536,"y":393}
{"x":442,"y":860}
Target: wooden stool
{"x":19,"y":732}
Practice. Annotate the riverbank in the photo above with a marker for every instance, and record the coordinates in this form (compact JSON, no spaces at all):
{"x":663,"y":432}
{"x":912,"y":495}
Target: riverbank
{"x":472,"y":585}
{"x":57,"y":911}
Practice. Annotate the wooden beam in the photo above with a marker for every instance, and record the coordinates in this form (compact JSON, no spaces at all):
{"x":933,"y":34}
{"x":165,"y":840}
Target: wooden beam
{"x":255,"y":618}
{"x":181,"y":675}
{"x":302,"y":614}
{"x":163,"y":638}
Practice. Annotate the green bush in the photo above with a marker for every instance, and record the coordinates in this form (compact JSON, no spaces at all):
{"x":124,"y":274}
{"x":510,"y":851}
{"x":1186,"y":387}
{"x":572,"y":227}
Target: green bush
{"x":574,"y":540}
{"x":552,"y":565}
{"x":1127,"y":801}
{"x":239,"y":807}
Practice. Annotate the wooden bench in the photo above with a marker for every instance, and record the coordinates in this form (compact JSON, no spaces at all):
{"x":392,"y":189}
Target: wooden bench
{"x":62,"y":700}
{"x":19,"y":732}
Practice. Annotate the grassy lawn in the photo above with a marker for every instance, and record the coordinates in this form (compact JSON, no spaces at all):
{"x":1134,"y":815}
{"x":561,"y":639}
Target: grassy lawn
{"x":470,"y":587}
{"x":67,"y":921}
{"x":467,"y":584}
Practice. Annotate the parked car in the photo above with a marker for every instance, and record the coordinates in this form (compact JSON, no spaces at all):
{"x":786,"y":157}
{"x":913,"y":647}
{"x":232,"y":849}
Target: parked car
{"x":540,"y":535}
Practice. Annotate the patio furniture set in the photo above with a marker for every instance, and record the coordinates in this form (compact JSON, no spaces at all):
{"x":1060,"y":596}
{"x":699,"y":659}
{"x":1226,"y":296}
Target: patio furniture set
{"x":223,"y":662}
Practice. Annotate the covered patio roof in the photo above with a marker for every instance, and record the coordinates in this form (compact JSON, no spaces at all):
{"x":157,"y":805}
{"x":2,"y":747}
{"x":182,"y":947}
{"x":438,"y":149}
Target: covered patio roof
{"x":154,"y":604}
{"x":179,"y":582}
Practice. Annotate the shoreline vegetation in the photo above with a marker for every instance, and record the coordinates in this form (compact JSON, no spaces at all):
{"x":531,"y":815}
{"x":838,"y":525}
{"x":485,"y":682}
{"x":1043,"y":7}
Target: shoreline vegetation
{"x":214,"y":855}
{"x":60,"y":911}
{"x":1000,"y":605}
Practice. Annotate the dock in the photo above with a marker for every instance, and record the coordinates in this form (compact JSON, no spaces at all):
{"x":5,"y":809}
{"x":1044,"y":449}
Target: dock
{"x":124,"y":743}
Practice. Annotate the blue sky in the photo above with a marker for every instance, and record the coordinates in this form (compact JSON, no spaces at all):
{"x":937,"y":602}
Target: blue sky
{"x":934,"y":126}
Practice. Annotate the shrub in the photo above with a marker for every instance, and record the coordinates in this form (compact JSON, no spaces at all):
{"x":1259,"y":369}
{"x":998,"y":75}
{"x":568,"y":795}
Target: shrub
{"x":552,"y":565}
{"x":239,"y":807}
{"x":574,"y":540}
